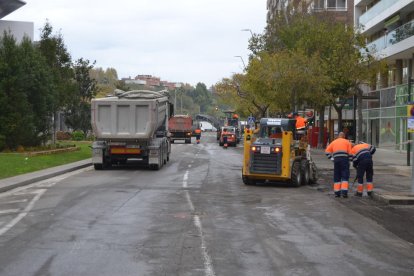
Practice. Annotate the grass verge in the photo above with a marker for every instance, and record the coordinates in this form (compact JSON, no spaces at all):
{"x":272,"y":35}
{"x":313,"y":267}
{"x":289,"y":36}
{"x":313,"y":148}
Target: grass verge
{"x":13,"y":164}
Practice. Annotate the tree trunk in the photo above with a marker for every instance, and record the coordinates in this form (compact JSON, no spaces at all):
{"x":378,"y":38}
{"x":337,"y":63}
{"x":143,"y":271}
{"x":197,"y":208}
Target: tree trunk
{"x":338,"y":109}
{"x":321,"y":133}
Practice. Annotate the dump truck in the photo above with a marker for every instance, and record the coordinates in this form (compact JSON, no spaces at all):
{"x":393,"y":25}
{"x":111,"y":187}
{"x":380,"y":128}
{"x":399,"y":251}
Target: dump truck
{"x":180,"y":127}
{"x":277,"y":152}
{"x":131,"y":125}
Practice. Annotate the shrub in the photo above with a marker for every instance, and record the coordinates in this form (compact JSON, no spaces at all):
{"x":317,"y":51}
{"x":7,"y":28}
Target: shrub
{"x":61,"y":135}
{"x":78,"y":136}
{"x":2,"y":142}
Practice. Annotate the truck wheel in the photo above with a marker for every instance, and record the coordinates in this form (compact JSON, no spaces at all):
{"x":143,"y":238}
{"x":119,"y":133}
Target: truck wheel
{"x":98,"y":167}
{"x":188,"y":141}
{"x":305,"y":171}
{"x":221,"y":144}
{"x":296,"y":177}
{"x":154,"y":167}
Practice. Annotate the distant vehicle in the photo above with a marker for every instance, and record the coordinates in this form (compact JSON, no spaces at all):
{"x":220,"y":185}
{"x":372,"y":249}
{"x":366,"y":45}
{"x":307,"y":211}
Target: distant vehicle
{"x":180,"y":127}
{"x":206,"y":126}
{"x":230,"y":133}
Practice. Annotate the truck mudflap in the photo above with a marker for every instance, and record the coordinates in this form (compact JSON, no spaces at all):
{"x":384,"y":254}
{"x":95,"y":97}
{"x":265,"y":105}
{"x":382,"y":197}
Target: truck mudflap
{"x":154,"y":151}
{"x":98,"y":148}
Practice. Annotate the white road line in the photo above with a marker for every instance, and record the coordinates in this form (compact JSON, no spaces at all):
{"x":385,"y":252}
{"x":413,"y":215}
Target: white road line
{"x":185,"y":178}
{"x":9,"y":211}
{"x":44,"y":183}
{"x":26,"y":210}
{"x":208,"y":265}
{"x":13,"y":201}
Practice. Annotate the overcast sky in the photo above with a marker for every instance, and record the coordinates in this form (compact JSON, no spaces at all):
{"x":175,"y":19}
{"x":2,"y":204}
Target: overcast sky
{"x":178,"y":40}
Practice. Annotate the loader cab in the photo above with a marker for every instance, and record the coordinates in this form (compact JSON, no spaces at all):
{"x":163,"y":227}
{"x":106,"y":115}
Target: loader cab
{"x":273,"y":128}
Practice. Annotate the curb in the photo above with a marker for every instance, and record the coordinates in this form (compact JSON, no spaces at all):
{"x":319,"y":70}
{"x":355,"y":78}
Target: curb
{"x":29,"y":178}
{"x":394,"y":199}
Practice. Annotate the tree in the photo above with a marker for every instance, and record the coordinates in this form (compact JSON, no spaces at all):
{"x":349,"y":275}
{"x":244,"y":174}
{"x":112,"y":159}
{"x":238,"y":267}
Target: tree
{"x":338,"y":47}
{"x":24,"y":93}
{"x":54,"y":51}
{"x":78,"y":112}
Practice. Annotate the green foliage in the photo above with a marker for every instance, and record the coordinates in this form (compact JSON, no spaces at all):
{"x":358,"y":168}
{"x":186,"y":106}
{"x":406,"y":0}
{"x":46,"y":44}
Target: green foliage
{"x":12,"y":164}
{"x":2,"y":142}
{"x":78,"y":111}
{"x":24,"y":93}
{"x":78,"y":136}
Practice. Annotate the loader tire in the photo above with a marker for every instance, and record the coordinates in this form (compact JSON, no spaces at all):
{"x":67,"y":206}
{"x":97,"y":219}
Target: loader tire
{"x":98,"y":167}
{"x":314,"y":175}
{"x":305,"y":171}
{"x":296,"y":177}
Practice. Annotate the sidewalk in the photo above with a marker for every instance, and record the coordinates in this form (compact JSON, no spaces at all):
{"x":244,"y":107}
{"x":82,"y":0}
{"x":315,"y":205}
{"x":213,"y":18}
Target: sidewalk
{"x":29,"y":178}
{"x":392,"y":176}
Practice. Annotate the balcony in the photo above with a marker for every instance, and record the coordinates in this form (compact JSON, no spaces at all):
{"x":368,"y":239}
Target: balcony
{"x":375,"y":10}
{"x":399,"y":34}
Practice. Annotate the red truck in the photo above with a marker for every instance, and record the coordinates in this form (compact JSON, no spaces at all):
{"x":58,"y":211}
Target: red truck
{"x":180,"y":127}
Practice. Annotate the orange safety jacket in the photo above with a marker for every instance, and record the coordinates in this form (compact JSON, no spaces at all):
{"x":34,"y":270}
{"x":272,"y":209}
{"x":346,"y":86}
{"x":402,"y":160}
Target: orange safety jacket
{"x":340,"y":147}
{"x":300,"y":122}
{"x":361,"y":152}
{"x":197,"y":131}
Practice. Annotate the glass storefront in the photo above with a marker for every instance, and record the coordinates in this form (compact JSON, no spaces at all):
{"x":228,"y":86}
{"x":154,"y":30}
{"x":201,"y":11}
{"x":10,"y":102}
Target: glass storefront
{"x":385,"y":120}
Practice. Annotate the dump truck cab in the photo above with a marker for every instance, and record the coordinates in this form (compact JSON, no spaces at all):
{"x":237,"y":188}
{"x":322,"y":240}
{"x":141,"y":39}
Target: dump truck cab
{"x":276,"y":152}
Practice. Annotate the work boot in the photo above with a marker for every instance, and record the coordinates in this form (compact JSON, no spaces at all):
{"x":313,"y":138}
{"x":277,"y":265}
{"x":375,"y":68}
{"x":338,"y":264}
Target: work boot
{"x":358,"y":194}
{"x":369,"y":194}
{"x":345,"y":195}
{"x":337,"y":194}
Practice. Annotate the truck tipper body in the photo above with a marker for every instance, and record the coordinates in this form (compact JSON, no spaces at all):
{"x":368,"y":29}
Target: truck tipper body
{"x":131,"y":125}
{"x":180,"y":127}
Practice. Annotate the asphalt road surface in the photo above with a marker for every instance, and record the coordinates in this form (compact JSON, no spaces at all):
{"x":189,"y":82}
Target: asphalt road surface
{"x":192,"y":217}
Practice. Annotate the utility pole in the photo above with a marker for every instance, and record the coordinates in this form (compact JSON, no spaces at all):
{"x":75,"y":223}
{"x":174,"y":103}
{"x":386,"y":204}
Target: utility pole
{"x":410,"y":72}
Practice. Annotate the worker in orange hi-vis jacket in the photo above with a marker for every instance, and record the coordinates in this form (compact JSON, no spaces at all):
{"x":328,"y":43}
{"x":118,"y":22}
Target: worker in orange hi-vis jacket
{"x":198,"y":135}
{"x":300,"y":121}
{"x":340,"y":150}
{"x":362,"y":161}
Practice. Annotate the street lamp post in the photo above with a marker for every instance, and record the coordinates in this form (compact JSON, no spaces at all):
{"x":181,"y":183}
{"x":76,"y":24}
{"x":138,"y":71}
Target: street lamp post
{"x":244,"y":65}
{"x":247,"y":30}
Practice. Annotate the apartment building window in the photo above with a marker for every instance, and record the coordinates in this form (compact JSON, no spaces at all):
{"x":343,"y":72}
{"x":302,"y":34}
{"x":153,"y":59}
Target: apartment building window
{"x":336,"y":4}
{"x":319,"y":4}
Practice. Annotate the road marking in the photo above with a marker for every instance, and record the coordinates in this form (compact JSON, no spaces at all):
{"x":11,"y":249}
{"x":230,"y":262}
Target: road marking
{"x":189,"y":166}
{"x":14,"y":201}
{"x":208,"y":266}
{"x":26,"y":210}
{"x":43,"y":183}
{"x":185,"y":178}
{"x":9,"y":211}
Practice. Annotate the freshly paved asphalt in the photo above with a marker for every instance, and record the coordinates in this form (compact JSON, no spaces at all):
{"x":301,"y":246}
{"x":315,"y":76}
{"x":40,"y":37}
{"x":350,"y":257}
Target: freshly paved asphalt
{"x":393,"y":182}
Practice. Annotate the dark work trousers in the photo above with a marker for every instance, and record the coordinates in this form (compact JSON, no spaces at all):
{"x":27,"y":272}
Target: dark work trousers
{"x":341,"y":175}
{"x":365,"y":166}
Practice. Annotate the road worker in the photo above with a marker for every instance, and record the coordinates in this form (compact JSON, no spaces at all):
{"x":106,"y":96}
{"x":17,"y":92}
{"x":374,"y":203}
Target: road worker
{"x":300,"y":121}
{"x":340,"y":150}
{"x":362,"y":161}
{"x":197,"y":132}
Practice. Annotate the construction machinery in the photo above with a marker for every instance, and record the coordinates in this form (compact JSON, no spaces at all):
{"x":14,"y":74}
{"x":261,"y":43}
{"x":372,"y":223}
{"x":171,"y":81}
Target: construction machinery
{"x":277,"y":152}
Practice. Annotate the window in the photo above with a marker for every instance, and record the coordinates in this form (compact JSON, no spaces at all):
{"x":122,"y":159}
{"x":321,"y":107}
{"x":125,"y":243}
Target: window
{"x":336,"y":4}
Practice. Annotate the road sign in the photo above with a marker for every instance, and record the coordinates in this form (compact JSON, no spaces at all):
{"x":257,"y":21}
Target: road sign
{"x":250,"y":120}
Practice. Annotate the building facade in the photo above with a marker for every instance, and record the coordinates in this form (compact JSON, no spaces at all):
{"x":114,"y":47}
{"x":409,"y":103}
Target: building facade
{"x":389,"y":28}
{"x":341,"y":10}
{"x":18,"y":29}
